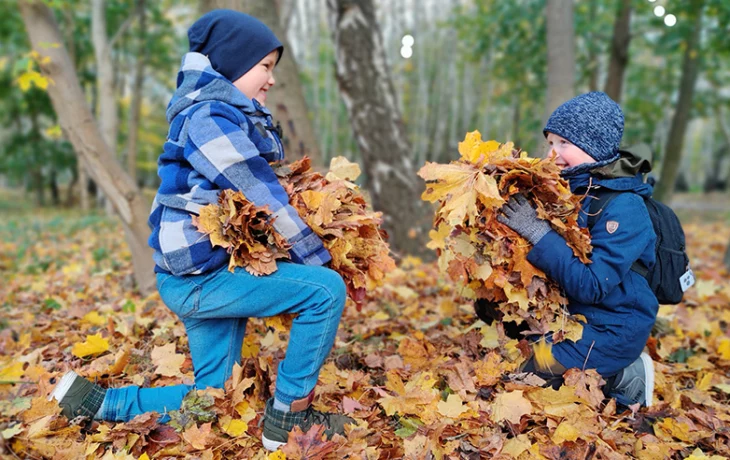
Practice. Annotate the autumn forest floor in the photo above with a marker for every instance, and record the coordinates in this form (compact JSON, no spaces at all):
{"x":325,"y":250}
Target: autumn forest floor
{"x":422,"y":378}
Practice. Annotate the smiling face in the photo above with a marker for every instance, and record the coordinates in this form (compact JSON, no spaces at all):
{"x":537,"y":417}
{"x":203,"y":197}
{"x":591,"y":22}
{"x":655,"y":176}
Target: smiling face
{"x":257,"y":81}
{"x":565,"y":153}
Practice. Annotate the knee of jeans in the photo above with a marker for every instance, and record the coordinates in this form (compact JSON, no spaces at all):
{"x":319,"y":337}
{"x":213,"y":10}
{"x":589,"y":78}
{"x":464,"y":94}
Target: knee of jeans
{"x":336,"y":287}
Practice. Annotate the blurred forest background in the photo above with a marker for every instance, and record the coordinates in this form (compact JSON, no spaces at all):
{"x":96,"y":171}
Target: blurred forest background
{"x":499,"y":67}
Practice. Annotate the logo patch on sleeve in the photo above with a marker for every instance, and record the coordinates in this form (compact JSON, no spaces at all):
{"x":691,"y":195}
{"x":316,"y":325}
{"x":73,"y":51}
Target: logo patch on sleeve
{"x":611,"y":226}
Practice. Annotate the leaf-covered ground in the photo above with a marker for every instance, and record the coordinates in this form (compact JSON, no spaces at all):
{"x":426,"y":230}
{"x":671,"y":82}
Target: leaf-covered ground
{"x":413,"y":367}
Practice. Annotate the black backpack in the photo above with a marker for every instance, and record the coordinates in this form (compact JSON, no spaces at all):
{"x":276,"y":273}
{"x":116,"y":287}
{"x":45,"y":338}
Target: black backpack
{"x":670,"y":276}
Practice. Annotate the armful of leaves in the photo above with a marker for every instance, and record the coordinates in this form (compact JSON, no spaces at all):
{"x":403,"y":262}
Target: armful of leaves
{"x":245,"y":231}
{"x":332,"y":206}
{"x":486,"y":258}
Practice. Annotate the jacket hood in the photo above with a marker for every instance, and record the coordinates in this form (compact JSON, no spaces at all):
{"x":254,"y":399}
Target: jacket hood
{"x":633,"y":160}
{"x":197,"y":81}
{"x":628,"y":173}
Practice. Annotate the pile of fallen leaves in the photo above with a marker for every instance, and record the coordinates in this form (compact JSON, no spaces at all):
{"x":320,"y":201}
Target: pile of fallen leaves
{"x":245,"y":230}
{"x":487,"y":259}
{"x":422,"y":378}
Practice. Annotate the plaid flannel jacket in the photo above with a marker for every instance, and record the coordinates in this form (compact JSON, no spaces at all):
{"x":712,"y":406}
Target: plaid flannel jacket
{"x":217,"y":140}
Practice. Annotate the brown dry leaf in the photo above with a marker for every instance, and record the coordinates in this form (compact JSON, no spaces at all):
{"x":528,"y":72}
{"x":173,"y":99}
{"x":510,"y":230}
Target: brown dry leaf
{"x":311,"y":445}
{"x":587,"y":385}
{"x":168,"y":362}
{"x":199,"y":438}
{"x":510,"y":406}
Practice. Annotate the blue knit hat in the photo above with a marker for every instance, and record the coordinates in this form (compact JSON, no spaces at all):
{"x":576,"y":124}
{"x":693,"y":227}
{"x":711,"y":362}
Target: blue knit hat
{"x":594,"y":122}
{"x":233,"y":41}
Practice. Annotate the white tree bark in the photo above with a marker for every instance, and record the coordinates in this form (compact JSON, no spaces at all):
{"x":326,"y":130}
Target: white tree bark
{"x":105,"y":98}
{"x":561,"y":55}
{"x":89,"y":144}
{"x":135,"y":109}
{"x":366,"y":87}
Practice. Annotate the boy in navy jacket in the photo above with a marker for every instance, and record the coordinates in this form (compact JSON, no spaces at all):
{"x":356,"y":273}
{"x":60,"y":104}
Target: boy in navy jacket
{"x":584,"y":135}
{"x":222,"y":137}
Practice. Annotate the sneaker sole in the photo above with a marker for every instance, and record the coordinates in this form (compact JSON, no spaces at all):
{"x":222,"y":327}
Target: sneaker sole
{"x":649,"y":384}
{"x":63,"y":386}
{"x":271,"y":445}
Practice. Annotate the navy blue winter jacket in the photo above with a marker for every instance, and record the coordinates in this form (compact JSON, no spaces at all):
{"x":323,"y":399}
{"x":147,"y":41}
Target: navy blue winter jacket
{"x":617,"y":302}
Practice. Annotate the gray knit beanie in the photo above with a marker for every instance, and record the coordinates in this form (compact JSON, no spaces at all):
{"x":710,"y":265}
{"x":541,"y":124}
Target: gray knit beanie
{"x":594,"y":122}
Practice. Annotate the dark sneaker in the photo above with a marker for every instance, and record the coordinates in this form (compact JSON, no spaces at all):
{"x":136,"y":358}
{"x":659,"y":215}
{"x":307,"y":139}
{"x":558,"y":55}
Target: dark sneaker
{"x":278,"y":424}
{"x":635,"y":384}
{"x":79,"y":399}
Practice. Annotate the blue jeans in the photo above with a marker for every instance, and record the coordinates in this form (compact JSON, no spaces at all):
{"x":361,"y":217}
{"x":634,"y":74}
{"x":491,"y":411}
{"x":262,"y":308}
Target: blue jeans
{"x":214,"y":308}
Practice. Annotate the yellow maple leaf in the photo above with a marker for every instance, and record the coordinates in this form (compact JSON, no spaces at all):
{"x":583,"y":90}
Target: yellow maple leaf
{"x":474,"y":150}
{"x":11,"y":372}
{"x":518,"y":296}
{"x":343,"y":169}
{"x":565,"y":432}
{"x":94,"y":345}
{"x":233,"y":427}
{"x":312,"y":199}
{"x":490,"y":336}
{"x":453,"y":407}
{"x":510,"y":406}
{"x":168,"y":362}
{"x":438,"y":237}
{"x":93,"y":317}
{"x":514,"y":447}
{"x":670,"y":428}
{"x":144,"y":456}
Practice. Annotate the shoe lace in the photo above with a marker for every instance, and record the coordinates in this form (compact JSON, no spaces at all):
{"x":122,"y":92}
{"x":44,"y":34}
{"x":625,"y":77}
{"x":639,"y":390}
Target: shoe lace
{"x":317,"y":418}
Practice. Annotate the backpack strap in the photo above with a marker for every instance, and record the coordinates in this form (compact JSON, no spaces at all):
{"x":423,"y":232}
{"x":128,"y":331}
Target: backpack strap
{"x":598,"y":203}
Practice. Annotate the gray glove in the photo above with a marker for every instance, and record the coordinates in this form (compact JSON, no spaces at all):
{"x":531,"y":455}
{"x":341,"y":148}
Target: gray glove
{"x":519,"y":215}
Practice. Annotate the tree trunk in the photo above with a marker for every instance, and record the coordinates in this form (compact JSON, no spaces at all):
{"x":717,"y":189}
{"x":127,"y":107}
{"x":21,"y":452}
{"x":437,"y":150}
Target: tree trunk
{"x":619,"y":51}
{"x":727,"y":256}
{"x":593,"y":63}
{"x":560,"y":55}
{"x":367,"y":90}
{"x":675,"y":139}
{"x":77,"y":122}
{"x":135,"y":109}
{"x":286,"y":101}
{"x":107,"y":108}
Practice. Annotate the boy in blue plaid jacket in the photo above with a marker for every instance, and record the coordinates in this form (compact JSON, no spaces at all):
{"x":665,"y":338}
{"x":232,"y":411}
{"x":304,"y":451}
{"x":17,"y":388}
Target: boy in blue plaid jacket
{"x":222,"y":137}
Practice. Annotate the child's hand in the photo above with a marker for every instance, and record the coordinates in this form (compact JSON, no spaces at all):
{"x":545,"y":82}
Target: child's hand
{"x":519,"y":215}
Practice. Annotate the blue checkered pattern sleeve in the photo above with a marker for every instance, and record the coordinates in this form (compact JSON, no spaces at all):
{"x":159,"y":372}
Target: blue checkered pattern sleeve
{"x":219,"y":148}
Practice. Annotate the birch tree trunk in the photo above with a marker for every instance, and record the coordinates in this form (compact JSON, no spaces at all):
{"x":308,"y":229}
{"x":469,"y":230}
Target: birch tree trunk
{"x":619,"y":51}
{"x":78,"y":124}
{"x":561,"y":55}
{"x":367,"y":90}
{"x":81,"y":178}
{"x":135,"y":109}
{"x":286,"y":101}
{"x":680,"y":120}
{"x":106,"y":102}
